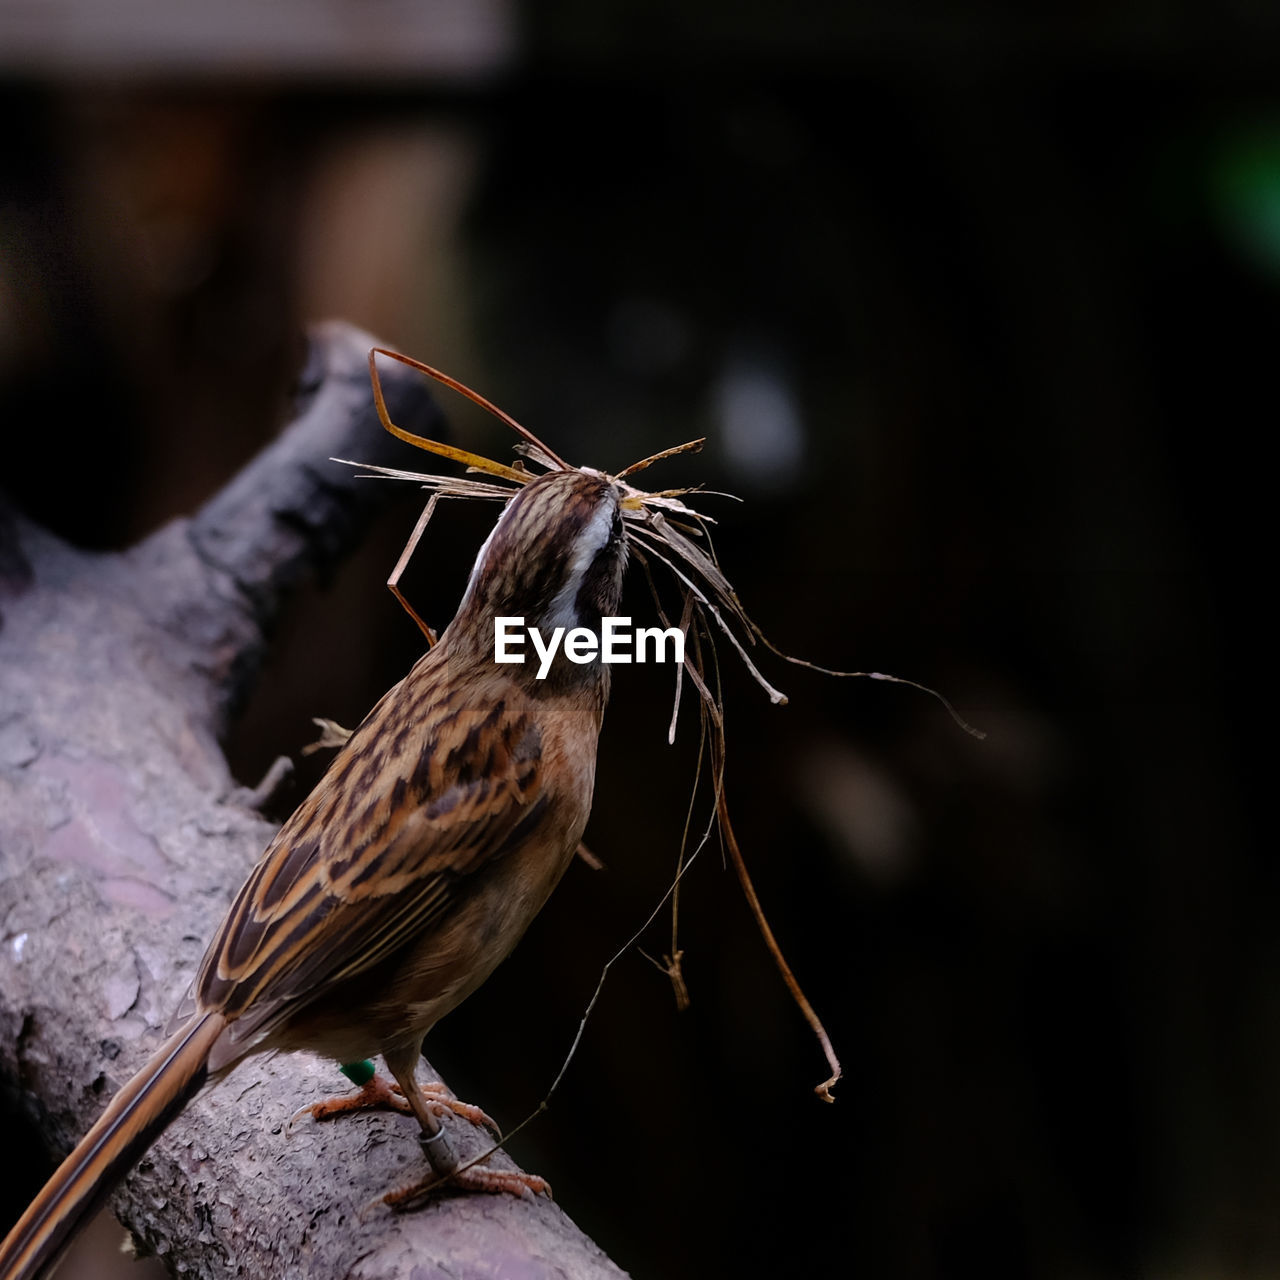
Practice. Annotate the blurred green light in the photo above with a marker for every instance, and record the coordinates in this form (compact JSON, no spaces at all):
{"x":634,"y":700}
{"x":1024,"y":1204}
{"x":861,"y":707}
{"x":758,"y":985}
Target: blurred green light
{"x":1246,"y":192}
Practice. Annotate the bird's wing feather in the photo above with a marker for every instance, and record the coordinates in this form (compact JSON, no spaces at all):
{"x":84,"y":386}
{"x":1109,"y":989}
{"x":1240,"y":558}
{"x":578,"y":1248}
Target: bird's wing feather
{"x":362,"y":866}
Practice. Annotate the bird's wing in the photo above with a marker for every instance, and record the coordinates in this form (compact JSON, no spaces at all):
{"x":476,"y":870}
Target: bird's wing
{"x":431,"y":788}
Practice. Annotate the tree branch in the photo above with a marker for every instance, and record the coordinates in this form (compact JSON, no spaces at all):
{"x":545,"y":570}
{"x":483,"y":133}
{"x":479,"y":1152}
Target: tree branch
{"x":121,"y":844}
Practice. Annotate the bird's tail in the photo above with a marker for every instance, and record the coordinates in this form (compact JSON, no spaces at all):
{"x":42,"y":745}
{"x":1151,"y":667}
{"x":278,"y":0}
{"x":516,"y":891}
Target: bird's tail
{"x":134,"y":1119}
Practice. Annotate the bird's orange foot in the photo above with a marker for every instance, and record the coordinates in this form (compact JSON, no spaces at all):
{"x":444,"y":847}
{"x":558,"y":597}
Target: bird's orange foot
{"x":380,"y":1094}
{"x":440,"y":1100}
{"x":473,"y":1178}
{"x":376,"y":1094}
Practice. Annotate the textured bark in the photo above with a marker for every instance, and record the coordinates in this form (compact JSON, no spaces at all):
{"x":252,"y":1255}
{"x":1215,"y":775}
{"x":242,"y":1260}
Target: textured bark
{"x":122,"y":841}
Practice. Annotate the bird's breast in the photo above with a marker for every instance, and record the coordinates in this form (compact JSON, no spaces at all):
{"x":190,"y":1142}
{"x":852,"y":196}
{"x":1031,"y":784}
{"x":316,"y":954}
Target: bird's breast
{"x":447,"y":963}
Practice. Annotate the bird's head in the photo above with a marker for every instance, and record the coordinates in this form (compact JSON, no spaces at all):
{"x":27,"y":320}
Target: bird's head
{"x":555,"y":558}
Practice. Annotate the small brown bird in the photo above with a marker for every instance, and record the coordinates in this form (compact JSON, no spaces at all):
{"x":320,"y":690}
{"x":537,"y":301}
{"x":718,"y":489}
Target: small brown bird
{"x":412,"y":869}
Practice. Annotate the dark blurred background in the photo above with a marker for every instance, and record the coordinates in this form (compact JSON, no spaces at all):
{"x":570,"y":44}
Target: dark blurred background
{"x":978,"y":308}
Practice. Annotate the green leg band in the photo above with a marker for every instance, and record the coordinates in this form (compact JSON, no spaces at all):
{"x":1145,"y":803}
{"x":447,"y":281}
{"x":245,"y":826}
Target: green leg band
{"x":359,"y":1073}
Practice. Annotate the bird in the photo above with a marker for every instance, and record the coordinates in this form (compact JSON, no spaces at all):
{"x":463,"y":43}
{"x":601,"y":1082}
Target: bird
{"x":411,"y":870}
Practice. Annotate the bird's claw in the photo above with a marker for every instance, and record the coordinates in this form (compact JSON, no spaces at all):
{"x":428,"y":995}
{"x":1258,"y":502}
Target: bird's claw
{"x":469,"y":1178}
{"x":376,"y":1094}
